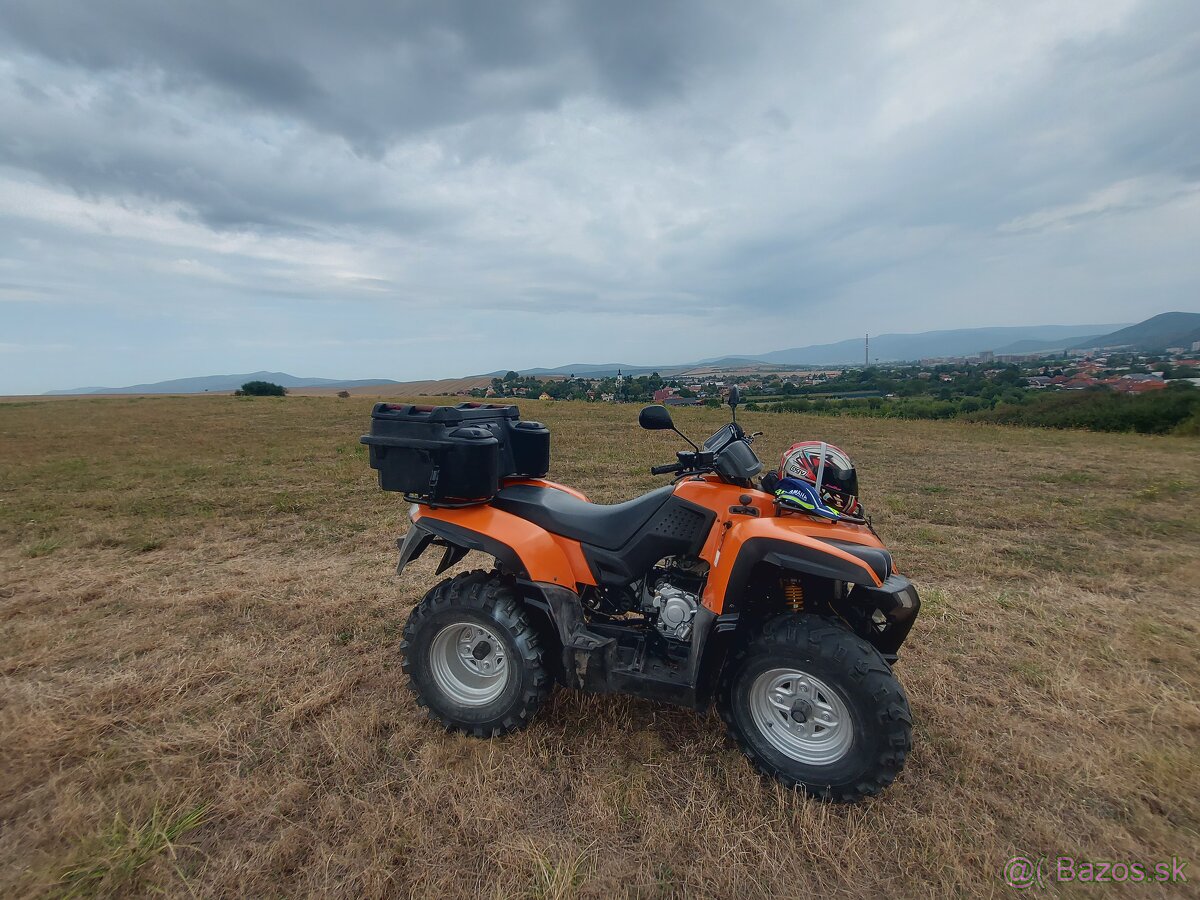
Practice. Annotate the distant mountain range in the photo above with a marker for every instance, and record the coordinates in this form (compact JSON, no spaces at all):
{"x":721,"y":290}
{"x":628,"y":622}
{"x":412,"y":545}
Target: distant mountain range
{"x":884,"y":348}
{"x":220,"y":383}
{"x":1173,"y":329}
{"x":958,"y":342}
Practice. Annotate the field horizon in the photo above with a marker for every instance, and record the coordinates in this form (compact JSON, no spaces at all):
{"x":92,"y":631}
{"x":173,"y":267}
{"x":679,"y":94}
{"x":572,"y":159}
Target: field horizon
{"x":200,"y":693}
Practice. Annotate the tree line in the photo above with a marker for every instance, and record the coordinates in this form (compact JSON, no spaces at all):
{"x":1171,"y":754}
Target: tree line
{"x":1173,"y":410}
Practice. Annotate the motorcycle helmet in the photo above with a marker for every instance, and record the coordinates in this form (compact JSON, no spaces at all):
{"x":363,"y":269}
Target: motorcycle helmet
{"x":828,"y":469}
{"x":801,"y":496}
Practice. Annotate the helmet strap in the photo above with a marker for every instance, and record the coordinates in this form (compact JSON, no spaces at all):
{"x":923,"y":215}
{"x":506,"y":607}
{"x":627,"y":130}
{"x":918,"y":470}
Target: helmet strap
{"x":821,"y":467}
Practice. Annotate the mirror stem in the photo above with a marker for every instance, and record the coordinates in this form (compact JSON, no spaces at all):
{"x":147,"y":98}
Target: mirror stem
{"x":685,"y":437}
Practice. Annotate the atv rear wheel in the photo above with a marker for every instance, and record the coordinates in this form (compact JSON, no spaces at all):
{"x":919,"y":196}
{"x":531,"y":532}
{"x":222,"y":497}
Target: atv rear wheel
{"x":816,"y":707}
{"x":472,"y":657}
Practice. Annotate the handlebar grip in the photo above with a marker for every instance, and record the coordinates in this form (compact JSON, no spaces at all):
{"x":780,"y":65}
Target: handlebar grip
{"x":669,"y":467}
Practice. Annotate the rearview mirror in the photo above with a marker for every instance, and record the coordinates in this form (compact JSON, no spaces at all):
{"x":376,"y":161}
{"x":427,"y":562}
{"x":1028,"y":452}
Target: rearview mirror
{"x":735,"y":397}
{"x":656,"y":418}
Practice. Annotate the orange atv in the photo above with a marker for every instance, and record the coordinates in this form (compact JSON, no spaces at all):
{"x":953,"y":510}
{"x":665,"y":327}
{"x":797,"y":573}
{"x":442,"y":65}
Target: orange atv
{"x":705,"y":589}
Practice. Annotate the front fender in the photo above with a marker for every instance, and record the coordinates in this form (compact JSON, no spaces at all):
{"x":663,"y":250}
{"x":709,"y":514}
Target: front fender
{"x":833,"y":552}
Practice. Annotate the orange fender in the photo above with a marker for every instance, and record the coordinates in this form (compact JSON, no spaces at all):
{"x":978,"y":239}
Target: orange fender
{"x":545,"y":557}
{"x":746,"y":540}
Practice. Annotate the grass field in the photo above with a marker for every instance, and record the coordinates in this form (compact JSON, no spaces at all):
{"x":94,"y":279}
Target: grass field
{"x":200,"y":694}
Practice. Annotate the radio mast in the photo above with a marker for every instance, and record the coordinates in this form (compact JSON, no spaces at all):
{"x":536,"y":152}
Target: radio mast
{"x":867,"y":352}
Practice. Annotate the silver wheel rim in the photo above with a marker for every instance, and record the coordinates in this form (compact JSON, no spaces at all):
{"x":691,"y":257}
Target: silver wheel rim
{"x":469,"y":664}
{"x":801,"y":716}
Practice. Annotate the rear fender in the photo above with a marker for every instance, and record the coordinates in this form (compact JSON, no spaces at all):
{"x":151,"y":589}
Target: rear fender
{"x":522,"y":548}
{"x":458,"y":543}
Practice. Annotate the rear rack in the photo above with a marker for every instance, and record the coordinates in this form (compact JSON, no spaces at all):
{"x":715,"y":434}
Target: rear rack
{"x":432,"y":503}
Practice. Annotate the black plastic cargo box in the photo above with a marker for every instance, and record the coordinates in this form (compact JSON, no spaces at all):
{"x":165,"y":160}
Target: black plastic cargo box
{"x":454,"y":453}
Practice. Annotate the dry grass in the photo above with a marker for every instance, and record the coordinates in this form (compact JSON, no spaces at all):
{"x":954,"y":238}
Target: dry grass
{"x":199,"y":692}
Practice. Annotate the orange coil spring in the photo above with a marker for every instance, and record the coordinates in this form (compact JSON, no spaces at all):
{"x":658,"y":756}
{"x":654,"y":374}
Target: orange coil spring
{"x":793,"y":595}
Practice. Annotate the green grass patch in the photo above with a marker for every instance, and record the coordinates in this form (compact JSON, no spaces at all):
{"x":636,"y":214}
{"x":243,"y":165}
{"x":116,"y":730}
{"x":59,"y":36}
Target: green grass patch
{"x":1163,"y":490}
{"x":44,"y":547}
{"x":933,"y":601}
{"x":924,"y":535}
{"x":112,"y":861}
{"x":1073,"y":477}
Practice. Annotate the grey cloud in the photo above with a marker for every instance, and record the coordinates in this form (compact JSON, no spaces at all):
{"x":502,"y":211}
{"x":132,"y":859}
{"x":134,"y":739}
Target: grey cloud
{"x":134,"y":76}
{"x":404,"y":164}
{"x":1126,"y":104}
{"x":123,"y":144}
{"x":376,"y":71}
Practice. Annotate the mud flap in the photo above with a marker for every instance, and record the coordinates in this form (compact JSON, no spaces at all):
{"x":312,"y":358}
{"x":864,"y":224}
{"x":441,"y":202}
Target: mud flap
{"x":412,"y":545}
{"x":585,"y":654}
{"x":454,"y":553}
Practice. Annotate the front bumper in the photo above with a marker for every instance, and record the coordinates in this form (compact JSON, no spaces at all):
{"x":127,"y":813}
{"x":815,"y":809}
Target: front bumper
{"x":898,"y":602}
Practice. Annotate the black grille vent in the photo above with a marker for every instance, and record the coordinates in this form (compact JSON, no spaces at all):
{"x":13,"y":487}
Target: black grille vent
{"x":680,"y":522}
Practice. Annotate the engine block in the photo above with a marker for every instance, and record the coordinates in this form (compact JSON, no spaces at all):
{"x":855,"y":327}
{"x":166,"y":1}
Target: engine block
{"x":674,"y":608}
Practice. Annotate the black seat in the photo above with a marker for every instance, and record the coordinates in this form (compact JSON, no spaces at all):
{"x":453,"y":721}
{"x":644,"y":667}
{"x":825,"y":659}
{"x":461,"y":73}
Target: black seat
{"x":561,"y":513}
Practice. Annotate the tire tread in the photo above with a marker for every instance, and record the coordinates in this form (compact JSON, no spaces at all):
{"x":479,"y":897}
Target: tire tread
{"x":863,"y":663}
{"x":486,"y":593}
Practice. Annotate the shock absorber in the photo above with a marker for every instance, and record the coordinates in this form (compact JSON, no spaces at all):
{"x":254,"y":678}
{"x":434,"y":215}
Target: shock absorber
{"x":793,"y":594}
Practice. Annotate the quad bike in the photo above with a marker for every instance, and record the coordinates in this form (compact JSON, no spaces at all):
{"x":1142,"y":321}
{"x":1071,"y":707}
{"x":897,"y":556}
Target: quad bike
{"x":703,"y":590}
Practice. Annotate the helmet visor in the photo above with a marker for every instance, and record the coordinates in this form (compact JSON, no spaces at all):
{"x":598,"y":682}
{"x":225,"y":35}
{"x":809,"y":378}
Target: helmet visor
{"x":836,"y":478}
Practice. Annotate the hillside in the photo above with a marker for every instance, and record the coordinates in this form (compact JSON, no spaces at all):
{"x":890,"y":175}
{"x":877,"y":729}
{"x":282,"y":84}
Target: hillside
{"x":1034,"y":346}
{"x":1172,"y":329}
{"x":217,"y":383}
{"x":957,"y":342}
{"x":442,"y":387}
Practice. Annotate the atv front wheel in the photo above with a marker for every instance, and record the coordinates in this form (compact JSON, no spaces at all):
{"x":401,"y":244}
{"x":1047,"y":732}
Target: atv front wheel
{"x":473,"y":659}
{"x":816,"y":707}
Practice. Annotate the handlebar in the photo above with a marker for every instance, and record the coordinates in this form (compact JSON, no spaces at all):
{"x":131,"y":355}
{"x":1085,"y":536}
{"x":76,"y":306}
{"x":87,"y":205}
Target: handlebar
{"x":700,"y":461}
{"x":669,"y":467}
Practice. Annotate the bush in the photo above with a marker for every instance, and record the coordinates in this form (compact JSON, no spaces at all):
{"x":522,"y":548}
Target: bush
{"x":1189,"y":427}
{"x":1161,"y":412}
{"x":261,"y":389}
{"x":1175,"y":410}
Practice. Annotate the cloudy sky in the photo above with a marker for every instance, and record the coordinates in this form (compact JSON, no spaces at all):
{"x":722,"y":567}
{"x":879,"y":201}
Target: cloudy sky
{"x":412,"y":190}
